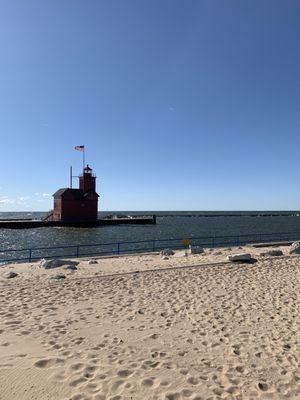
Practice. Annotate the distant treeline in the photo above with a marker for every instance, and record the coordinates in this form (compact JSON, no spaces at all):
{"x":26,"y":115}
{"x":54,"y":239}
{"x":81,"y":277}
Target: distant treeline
{"x":204,"y":214}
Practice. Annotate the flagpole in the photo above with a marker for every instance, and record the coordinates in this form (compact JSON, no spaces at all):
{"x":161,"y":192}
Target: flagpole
{"x":83,"y":158}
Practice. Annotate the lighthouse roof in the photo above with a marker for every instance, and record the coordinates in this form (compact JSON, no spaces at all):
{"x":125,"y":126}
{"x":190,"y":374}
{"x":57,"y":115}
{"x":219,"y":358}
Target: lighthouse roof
{"x":76,"y":194}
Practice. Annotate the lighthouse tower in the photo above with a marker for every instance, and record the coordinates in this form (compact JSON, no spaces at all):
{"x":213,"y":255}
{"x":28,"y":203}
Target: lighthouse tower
{"x":87,"y":181}
{"x":77,"y":204}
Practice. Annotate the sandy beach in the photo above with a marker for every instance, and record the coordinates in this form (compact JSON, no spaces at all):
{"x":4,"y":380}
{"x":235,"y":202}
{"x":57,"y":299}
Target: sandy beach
{"x":143,"y":327}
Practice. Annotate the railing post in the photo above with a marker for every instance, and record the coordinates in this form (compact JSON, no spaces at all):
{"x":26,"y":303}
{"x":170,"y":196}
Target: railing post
{"x":77,"y":251}
{"x":118,"y":248}
{"x":153,"y":245}
{"x":30,"y":255}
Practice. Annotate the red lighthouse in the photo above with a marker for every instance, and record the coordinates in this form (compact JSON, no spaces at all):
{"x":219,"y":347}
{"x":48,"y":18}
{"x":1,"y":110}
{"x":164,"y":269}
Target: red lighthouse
{"x":77,"y":204}
{"x":87,"y":181}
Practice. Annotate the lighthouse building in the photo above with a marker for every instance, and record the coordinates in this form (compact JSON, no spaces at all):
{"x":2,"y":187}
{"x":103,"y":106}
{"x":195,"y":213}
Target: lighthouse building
{"x":77,"y":204}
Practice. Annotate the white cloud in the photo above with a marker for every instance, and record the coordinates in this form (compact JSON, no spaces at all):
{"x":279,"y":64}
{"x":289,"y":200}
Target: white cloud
{"x":21,"y":203}
{"x":172,"y":109}
{"x":6,"y":200}
{"x":23,"y":198}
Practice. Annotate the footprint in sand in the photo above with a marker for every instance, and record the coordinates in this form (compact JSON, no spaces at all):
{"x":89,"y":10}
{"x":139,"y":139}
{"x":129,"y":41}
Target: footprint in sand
{"x":192,"y":380}
{"x":49,"y":362}
{"x":24,"y":333}
{"x":184,"y":371}
{"x":77,"y":382}
{"x":89,"y":371}
{"x":262,"y":386}
{"x":116,"y":385}
{"x":186,"y":393}
{"x":77,"y":367}
{"x":147,"y":382}
{"x":172,"y":396}
{"x":124,"y":373}
{"x":154,"y":336}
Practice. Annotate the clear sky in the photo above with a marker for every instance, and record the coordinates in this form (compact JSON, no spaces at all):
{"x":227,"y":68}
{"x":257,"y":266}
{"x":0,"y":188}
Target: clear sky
{"x":181,"y":104}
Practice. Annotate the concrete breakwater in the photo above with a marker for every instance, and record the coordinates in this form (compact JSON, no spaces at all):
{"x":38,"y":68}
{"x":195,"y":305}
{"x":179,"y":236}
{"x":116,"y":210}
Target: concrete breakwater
{"x":207,"y":215}
{"x":27,"y":223}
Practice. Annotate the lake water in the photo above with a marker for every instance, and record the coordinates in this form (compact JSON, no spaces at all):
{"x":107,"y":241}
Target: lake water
{"x":169,"y":225}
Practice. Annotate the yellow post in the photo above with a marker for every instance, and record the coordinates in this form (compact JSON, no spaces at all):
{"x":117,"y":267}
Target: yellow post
{"x":186,"y":243}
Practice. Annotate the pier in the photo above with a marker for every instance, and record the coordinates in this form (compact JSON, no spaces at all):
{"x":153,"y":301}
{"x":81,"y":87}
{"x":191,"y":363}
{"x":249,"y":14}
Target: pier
{"x":29,"y":224}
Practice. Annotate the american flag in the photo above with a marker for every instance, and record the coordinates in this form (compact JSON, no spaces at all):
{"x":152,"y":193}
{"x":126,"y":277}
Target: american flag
{"x":79,"y":148}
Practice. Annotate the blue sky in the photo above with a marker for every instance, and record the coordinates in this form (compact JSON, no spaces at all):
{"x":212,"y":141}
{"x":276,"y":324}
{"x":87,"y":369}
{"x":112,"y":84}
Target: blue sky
{"x":182,"y":105}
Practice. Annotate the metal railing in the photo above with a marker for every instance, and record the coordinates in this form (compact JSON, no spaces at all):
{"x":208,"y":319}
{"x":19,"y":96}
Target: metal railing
{"x":142,"y":246}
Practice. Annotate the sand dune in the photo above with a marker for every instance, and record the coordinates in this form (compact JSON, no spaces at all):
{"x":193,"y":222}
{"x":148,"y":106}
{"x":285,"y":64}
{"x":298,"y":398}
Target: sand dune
{"x":128,"y":328}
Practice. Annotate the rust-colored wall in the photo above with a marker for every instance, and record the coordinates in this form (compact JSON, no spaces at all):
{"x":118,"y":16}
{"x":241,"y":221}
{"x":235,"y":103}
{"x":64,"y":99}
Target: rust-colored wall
{"x":87,"y":182}
{"x":57,"y":209}
{"x":79,"y":209}
{"x":68,"y":210}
